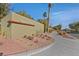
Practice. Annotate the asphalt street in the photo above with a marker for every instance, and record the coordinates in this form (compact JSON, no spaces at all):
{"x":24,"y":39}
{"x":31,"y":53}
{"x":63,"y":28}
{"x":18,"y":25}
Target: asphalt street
{"x":61,"y":47}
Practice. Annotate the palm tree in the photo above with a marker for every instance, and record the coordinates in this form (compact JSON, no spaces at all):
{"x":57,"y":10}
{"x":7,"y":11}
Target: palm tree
{"x":49,"y":8}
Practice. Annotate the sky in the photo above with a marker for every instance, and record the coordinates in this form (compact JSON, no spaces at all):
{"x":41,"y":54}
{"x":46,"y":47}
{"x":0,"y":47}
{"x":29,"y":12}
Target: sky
{"x":61,"y":13}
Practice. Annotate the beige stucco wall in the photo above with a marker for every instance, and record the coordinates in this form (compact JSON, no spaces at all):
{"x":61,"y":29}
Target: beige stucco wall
{"x":5,"y":31}
{"x":16,"y":31}
{"x":19,"y":31}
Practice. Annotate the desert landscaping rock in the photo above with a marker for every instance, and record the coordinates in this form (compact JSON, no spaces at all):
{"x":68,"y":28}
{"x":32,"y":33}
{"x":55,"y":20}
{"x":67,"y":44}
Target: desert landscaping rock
{"x":25,"y":43}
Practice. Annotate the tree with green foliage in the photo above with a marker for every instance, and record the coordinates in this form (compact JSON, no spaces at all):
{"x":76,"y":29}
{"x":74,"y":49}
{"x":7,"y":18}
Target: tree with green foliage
{"x":44,"y":15}
{"x":4,"y":9}
{"x":57,"y":27}
{"x":45,"y":22}
{"x":46,"y":18}
{"x":75,"y":26}
{"x":23,"y":13}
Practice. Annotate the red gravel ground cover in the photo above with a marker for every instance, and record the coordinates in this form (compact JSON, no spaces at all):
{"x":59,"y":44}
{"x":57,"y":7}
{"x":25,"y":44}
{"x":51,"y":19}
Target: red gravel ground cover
{"x":8,"y":47}
{"x":27,"y":43}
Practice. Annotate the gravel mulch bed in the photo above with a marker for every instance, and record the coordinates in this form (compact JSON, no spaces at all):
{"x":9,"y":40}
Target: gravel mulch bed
{"x":24,"y":44}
